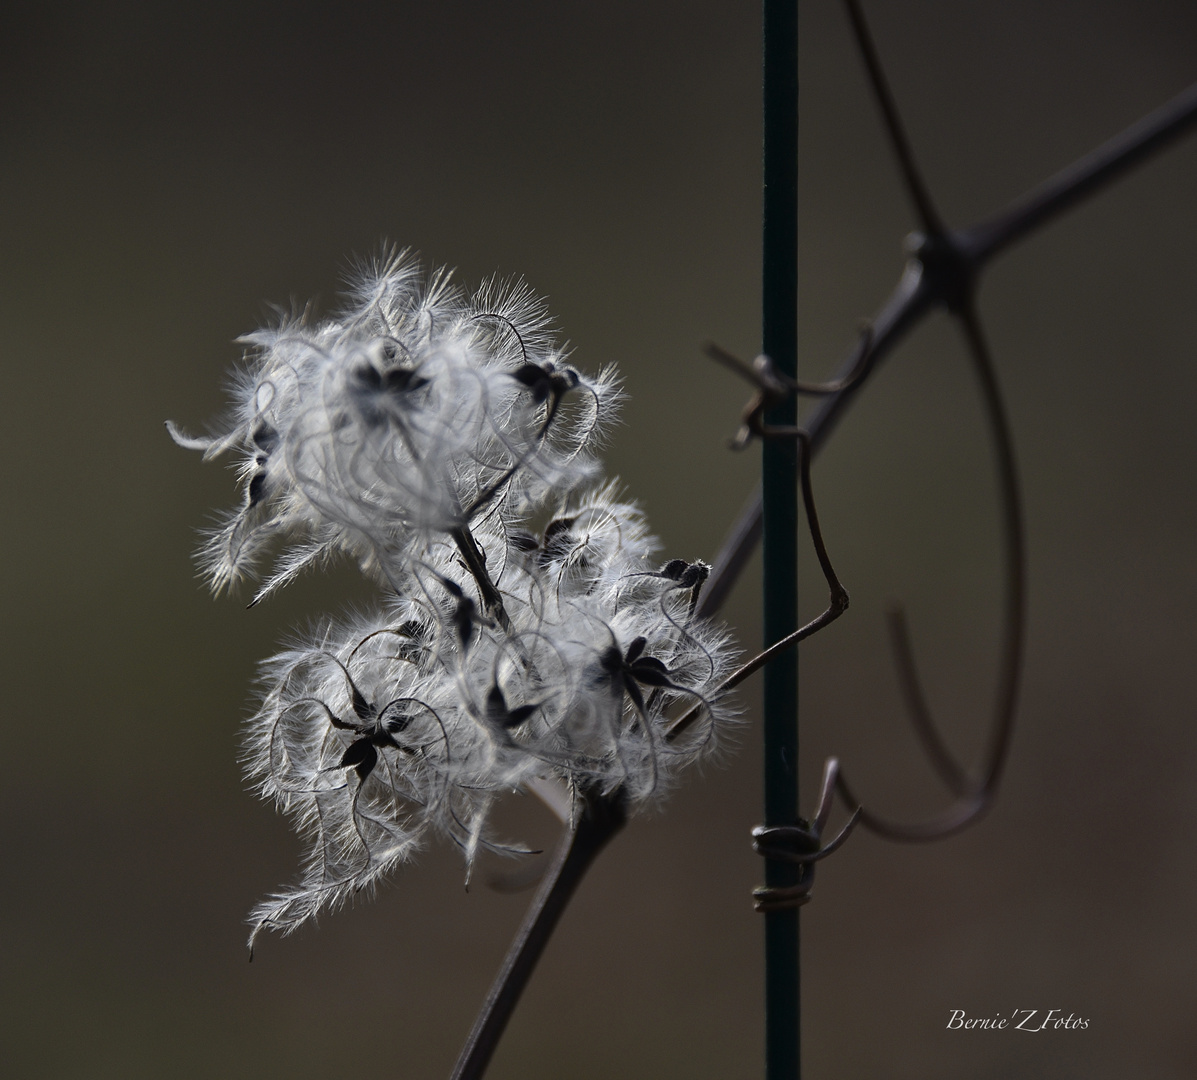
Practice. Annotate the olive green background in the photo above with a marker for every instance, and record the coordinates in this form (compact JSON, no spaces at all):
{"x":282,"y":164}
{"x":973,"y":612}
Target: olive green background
{"x":165,"y":174}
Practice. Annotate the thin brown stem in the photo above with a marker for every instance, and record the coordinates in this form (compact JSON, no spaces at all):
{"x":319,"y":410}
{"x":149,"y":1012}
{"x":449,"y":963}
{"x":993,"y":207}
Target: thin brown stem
{"x":1013,"y":534}
{"x":974,"y":797}
{"x":475,"y":562}
{"x":854,"y":369}
{"x":801,"y":845}
{"x":942,"y":760}
{"x":934,"y":276}
{"x":737,"y":549}
{"x":600,"y":818}
{"x":915,"y":295}
{"x":899,"y":142}
{"x":776,"y":386}
{"x":837,"y":602}
{"x":1082,"y":178}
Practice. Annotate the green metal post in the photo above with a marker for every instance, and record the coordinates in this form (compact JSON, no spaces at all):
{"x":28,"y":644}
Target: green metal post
{"x":780,"y":496}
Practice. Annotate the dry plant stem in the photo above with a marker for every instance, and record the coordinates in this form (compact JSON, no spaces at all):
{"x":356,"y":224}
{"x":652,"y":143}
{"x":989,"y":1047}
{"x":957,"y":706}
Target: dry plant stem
{"x":1015,"y":543}
{"x":774,"y":386}
{"x":600,"y":818}
{"x":801,"y":844}
{"x":737,"y":549}
{"x":915,"y":186}
{"x":974,"y":797}
{"x":949,"y":770}
{"x":836,"y":606}
{"x":1015,"y":560}
{"x":942,"y":271}
{"x":861,"y":356}
{"x":1080,"y":180}
{"x":916,"y":294}
{"x":933,"y":277}
{"x":476,"y":564}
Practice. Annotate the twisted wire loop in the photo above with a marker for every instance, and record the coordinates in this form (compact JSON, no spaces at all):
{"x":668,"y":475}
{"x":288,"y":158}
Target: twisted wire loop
{"x":800,"y":843}
{"x":939,"y":267}
{"x":941,"y":271}
{"x":948,"y":271}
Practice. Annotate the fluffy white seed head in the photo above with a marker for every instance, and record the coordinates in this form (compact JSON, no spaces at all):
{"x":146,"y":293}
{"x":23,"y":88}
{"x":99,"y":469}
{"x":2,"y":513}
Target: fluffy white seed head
{"x":414,"y":411}
{"x":527,"y":630}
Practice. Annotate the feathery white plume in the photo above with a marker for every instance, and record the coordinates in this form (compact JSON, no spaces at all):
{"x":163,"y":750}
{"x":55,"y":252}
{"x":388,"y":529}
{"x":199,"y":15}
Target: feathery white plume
{"x":422,"y":432}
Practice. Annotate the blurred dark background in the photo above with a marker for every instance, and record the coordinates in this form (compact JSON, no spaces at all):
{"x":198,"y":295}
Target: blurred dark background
{"x":165,"y":174}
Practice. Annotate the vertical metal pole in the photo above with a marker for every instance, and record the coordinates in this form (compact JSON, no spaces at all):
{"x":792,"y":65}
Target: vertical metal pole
{"x":780,"y":496}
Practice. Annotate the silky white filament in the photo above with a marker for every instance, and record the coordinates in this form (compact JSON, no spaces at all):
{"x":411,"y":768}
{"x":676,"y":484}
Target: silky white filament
{"x":524,"y":633}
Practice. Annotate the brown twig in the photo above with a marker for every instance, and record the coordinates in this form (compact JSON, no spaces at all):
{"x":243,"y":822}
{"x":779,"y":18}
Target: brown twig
{"x":941,"y":271}
{"x":600,"y":817}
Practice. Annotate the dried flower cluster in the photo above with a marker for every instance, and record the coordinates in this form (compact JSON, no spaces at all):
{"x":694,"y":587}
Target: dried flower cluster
{"x":443,"y":442}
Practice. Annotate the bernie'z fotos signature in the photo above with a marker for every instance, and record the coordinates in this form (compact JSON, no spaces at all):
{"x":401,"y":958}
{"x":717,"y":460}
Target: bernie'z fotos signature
{"x":1019,"y":1020}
